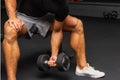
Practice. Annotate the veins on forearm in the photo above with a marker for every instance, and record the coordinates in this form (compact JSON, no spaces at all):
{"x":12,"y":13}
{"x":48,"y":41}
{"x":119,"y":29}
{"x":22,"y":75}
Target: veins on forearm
{"x":10,"y":8}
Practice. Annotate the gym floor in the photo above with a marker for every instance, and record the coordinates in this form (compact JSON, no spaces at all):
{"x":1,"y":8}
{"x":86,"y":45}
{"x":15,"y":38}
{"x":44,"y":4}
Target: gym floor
{"x":102,"y":50}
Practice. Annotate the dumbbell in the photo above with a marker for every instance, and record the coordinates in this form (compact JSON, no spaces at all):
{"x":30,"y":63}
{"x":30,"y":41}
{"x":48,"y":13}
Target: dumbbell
{"x":63,"y":62}
{"x":107,"y":15}
{"x":114,"y":14}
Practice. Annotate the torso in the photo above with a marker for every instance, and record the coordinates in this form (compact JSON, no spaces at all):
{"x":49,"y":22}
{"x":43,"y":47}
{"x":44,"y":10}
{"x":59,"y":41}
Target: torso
{"x":38,"y":8}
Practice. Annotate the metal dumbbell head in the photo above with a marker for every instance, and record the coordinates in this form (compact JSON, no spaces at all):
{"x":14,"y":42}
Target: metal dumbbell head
{"x":42,"y":62}
{"x":114,"y":14}
{"x":107,"y":15}
{"x":63,"y":62}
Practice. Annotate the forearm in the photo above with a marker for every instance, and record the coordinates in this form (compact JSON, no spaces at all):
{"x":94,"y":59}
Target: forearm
{"x":56,"y":42}
{"x":11,"y":8}
{"x":56,"y":38}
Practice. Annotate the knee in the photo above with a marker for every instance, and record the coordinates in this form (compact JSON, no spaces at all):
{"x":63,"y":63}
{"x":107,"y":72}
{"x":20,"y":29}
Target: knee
{"x":79,"y":26}
{"x":57,"y":29}
{"x":10,"y":34}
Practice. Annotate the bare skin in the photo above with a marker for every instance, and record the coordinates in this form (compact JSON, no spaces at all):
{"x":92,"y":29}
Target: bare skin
{"x":14,"y":27}
{"x":77,"y":42}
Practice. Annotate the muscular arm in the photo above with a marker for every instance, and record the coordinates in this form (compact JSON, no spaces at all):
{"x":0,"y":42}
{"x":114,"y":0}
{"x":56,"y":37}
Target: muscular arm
{"x":11,"y":12}
{"x":11,"y":8}
{"x":56,"y":38}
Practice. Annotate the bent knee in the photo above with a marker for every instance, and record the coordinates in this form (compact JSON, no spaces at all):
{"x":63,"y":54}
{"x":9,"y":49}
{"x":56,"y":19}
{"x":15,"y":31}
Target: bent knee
{"x":79,"y":26}
{"x":10,"y":34}
{"x":57,"y":29}
{"x":8,"y":28}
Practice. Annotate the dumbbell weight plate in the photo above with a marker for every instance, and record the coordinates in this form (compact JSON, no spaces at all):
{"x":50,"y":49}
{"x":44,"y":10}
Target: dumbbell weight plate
{"x":114,"y":14}
{"x":41,"y":63}
{"x":63,"y":62}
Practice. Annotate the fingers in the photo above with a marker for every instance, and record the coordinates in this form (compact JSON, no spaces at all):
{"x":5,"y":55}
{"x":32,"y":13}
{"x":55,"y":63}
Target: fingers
{"x":17,"y":24}
{"x":52,"y":61}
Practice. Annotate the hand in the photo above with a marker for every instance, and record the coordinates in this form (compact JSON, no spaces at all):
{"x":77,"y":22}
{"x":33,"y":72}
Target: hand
{"x":16,"y":23}
{"x":52,"y":61}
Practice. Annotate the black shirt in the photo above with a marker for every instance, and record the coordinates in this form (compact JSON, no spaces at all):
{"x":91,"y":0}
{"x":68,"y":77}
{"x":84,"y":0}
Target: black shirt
{"x":38,"y":8}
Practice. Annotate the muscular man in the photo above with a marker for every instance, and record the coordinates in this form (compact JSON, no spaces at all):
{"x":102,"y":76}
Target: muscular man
{"x":45,"y":15}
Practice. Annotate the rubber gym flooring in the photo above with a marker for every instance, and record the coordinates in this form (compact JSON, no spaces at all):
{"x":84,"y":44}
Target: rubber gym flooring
{"x":102,"y":50}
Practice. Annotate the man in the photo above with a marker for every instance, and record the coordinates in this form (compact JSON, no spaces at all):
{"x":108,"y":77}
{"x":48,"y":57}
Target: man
{"x":46,"y":15}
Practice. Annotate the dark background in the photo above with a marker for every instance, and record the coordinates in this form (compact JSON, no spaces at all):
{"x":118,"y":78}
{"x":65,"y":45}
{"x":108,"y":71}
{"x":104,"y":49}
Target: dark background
{"x":106,"y":1}
{"x":102,"y":37}
{"x":103,"y":1}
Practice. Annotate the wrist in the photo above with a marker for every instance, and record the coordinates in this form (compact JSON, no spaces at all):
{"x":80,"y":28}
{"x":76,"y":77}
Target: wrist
{"x":12,"y":15}
{"x":54,"y":55}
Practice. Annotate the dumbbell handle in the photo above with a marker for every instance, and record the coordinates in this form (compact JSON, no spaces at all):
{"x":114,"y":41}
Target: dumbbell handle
{"x":46,"y":62}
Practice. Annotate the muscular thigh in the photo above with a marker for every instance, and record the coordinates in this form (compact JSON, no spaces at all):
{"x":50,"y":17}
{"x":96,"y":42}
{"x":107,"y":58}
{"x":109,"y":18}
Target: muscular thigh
{"x":70,"y":23}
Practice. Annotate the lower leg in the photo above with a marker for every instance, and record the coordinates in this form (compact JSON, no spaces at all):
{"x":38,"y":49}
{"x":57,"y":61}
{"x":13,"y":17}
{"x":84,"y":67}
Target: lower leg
{"x":78,"y":45}
{"x":83,"y":68}
{"x":11,"y":55}
{"x":11,"y":51}
{"x":77,"y":41}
